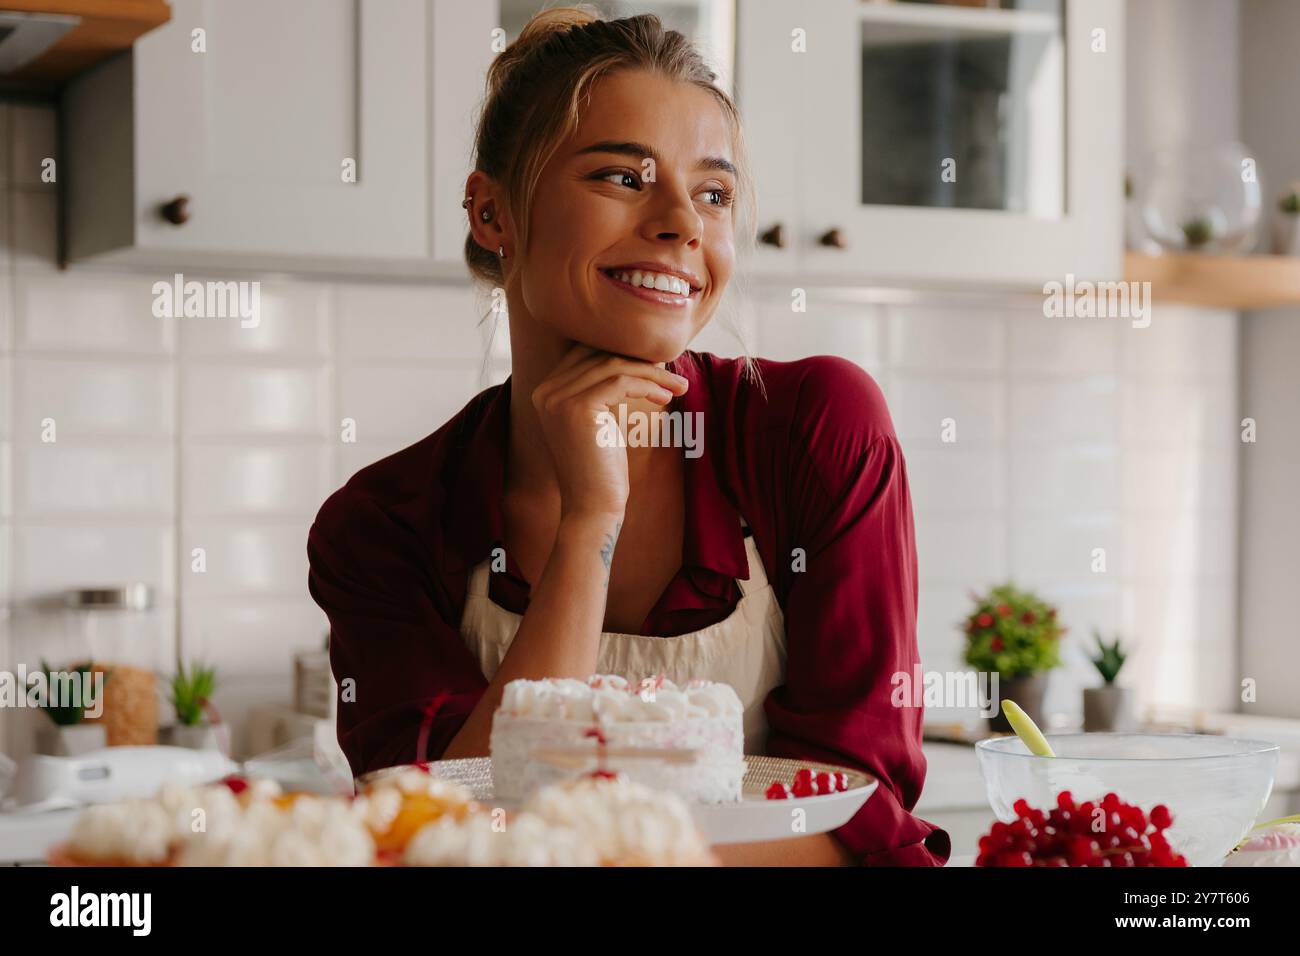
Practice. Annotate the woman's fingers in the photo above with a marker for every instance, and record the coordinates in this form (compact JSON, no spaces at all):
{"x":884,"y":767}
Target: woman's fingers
{"x":617,"y":388}
{"x":614,"y":366}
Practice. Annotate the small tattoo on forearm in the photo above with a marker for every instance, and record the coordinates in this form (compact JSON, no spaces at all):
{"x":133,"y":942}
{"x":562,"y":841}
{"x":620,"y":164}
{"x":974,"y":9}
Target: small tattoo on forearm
{"x":607,"y":551}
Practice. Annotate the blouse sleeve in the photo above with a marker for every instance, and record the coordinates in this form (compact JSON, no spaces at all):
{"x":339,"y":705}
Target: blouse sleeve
{"x":406,"y":681}
{"x":850,"y":615}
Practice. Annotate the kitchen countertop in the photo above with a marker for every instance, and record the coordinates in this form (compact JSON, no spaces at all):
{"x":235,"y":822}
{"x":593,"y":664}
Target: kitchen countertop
{"x":953,"y":786}
{"x":25,"y":837}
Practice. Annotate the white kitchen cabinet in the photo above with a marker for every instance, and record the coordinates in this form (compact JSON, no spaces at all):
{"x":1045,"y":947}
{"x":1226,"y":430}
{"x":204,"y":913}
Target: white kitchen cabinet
{"x":261,"y":130}
{"x":917,"y":143}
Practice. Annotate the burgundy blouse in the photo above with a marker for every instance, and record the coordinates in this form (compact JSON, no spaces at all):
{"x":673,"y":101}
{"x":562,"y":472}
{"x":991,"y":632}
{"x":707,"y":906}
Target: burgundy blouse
{"x":811,"y":461}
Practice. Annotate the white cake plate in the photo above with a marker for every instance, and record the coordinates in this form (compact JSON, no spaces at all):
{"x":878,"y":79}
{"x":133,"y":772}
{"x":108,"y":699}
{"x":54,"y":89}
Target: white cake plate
{"x":752,"y":819}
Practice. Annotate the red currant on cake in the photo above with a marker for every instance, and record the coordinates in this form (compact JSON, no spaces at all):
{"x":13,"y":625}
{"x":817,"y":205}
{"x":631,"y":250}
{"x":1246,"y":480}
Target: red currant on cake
{"x":777,"y":791}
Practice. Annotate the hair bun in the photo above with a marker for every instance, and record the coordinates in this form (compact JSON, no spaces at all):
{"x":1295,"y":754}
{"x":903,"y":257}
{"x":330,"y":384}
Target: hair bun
{"x":542,"y":28}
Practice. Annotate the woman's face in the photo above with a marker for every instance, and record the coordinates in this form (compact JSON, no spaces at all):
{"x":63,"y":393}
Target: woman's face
{"x":644,"y":185}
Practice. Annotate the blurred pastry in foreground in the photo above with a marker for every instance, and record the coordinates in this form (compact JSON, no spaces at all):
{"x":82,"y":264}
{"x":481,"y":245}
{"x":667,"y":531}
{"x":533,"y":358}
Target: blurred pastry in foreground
{"x":396,"y":805}
{"x":627,"y":823}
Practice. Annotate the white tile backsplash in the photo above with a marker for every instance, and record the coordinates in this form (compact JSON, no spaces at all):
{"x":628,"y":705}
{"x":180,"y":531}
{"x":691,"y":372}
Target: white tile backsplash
{"x":1181,"y":343}
{"x":50,"y":557}
{"x":404,"y":404}
{"x":69,"y":478}
{"x":223,"y":479}
{"x":931,"y":339}
{"x":1065,"y":411}
{"x":88,"y":398}
{"x":247,"y":636}
{"x":853,"y":332}
{"x":1067,"y":346}
{"x":1064,"y":478}
{"x":221,"y":401}
{"x":77,"y":313}
{"x":967,"y":549}
{"x":1180,"y":415}
{"x":244,"y":560}
{"x":921,"y":404}
{"x":410,"y":323}
{"x":292,"y":319}
{"x":955,"y":478}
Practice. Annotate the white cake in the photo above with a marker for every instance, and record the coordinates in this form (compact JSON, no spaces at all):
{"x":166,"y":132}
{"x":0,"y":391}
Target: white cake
{"x":702,"y":716}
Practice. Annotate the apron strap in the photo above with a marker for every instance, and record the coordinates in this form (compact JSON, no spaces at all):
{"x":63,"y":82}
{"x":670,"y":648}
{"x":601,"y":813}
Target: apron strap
{"x":757,"y":573}
{"x":478,"y":579}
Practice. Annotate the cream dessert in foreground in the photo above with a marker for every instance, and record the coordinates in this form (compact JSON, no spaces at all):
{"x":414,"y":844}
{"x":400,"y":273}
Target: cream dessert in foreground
{"x":589,"y":821}
{"x":409,"y":817}
{"x":580,"y":717}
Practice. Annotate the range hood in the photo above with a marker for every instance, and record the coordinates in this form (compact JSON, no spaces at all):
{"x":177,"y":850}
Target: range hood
{"x":44,"y":43}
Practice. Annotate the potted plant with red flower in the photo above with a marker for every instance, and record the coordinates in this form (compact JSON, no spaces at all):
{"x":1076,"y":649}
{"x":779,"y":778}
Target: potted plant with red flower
{"x":1016,"y":635}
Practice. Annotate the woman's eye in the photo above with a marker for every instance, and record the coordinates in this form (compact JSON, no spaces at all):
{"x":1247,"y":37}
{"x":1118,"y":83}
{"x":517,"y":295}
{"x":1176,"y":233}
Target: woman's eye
{"x":723,"y":196}
{"x":622,"y":178}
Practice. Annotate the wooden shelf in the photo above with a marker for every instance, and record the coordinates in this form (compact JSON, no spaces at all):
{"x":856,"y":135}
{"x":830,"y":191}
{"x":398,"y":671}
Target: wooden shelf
{"x":1224,"y":282}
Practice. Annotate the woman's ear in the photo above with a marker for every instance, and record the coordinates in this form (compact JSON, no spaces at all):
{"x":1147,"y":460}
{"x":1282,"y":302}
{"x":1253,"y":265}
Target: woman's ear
{"x":489,"y":223}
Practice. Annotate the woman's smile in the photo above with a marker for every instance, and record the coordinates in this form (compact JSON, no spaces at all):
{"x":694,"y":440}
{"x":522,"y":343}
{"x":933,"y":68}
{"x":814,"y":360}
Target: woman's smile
{"x":656,"y":287}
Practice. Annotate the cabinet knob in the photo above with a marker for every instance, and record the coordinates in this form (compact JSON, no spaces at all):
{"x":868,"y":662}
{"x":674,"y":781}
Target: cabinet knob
{"x":177,"y":211}
{"x":833,"y":238}
{"x":773,"y":237}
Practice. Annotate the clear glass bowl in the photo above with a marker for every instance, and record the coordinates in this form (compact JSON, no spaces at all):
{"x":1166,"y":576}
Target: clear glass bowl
{"x":1215,"y":787}
{"x":1199,"y":197}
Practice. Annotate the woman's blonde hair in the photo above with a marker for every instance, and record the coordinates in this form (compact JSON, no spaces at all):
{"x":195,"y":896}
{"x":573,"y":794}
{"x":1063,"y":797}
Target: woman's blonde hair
{"x":537,"y":86}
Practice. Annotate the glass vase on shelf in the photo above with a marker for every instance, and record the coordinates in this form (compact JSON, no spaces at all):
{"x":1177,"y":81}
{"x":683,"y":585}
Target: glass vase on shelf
{"x":1203,"y":198}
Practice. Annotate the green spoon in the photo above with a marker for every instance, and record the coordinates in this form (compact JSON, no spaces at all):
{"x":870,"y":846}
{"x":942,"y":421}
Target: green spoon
{"x":1026,"y":729}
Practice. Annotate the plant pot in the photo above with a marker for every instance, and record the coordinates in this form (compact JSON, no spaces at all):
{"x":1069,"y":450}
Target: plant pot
{"x":196,"y":737}
{"x":1027,"y":690}
{"x":1108,"y":709}
{"x":70,"y":740}
{"x":1286,"y":233}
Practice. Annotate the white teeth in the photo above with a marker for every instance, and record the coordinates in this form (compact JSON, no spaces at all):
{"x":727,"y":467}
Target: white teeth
{"x":658,"y":281}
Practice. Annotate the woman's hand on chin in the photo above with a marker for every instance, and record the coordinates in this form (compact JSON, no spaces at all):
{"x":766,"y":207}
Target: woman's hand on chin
{"x":577,"y":405}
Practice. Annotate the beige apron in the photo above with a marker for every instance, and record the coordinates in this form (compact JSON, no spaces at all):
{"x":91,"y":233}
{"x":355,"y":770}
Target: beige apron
{"x":745,"y":650}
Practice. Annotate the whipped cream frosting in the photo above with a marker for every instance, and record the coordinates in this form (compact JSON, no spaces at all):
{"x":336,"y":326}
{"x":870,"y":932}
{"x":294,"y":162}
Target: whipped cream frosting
{"x":627,"y":823}
{"x":609,"y":697}
{"x":145,"y":831}
{"x":313,"y":831}
{"x":481,"y":840}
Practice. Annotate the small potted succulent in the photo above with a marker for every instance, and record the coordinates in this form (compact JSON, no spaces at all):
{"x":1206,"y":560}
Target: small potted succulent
{"x":1108,"y":707}
{"x":1014,"y":634}
{"x":70,"y":732}
{"x":1197,"y":232}
{"x":1286,"y":224}
{"x":191,"y":692}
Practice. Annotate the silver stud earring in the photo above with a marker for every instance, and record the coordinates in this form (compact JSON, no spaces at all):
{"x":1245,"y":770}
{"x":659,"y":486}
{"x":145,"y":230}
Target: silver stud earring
{"x":487,"y":216}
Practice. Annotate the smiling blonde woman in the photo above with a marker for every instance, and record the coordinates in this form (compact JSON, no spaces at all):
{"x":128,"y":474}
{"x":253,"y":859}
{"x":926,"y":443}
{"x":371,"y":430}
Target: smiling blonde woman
{"x":608,"y":192}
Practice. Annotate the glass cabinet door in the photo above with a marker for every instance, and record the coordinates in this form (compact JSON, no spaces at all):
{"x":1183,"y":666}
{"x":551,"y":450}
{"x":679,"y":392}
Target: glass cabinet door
{"x":963,"y":105}
{"x":978,"y":140}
